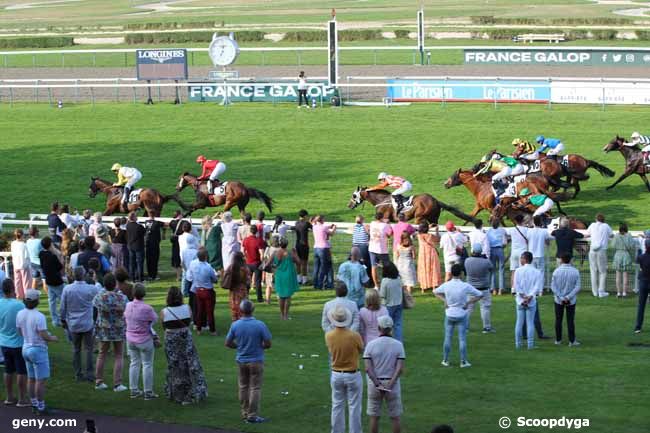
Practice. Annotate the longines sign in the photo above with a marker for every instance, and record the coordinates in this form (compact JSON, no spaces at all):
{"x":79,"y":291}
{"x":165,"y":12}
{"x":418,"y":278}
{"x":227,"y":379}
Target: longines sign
{"x":483,"y":56}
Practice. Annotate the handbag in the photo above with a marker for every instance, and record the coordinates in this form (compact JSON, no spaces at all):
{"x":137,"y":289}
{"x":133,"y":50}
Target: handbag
{"x":226,"y":281}
{"x":408,"y":301}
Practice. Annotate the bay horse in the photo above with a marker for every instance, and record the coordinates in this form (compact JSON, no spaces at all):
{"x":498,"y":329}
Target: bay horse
{"x":512,"y":206}
{"x":575,"y":170}
{"x":235,"y":194}
{"x":548,"y":167}
{"x":150,"y":199}
{"x":634,"y":163}
{"x":425,"y":207}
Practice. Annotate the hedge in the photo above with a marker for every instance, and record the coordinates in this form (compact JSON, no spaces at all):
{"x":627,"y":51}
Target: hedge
{"x":305,"y":36}
{"x":490,"y":20}
{"x":37,"y":42}
{"x":184,"y":37}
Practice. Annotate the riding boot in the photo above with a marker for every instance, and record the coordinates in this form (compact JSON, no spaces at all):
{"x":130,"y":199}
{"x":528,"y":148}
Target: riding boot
{"x":125,"y":197}
{"x":554,"y":157}
{"x":209,"y":186}
{"x":400,"y":203}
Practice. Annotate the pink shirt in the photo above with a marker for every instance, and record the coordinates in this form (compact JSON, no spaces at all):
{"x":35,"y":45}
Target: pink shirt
{"x":398,"y":229}
{"x":139,"y":318}
{"x":379,"y":232}
{"x":321,"y":235}
{"x":368,"y":326}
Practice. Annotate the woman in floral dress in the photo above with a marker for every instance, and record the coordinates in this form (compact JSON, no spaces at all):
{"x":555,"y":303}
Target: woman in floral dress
{"x":428,"y":260}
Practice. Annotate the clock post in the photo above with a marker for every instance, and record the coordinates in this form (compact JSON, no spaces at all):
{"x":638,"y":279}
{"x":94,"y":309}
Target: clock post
{"x":223,"y":51}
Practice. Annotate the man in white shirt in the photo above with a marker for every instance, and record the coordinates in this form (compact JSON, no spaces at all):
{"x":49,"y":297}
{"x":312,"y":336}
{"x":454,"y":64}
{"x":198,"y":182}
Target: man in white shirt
{"x":519,"y":238}
{"x":451,"y":243}
{"x":600,"y":233}
{"x":341,"y":299}
{"x":527,"y":286}
{"x":479,"y":236}
{"x":538,"y":239}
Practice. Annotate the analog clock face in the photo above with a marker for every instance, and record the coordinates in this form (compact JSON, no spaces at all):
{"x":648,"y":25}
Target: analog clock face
{"x":223,"y":51}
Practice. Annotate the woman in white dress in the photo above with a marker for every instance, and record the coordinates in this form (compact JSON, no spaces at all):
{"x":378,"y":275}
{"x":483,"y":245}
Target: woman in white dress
{"x":229,"y":244}
{"x":406,"y":261}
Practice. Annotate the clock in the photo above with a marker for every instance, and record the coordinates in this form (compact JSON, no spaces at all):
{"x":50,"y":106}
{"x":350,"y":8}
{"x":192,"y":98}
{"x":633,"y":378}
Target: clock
{"x":223,"y":50}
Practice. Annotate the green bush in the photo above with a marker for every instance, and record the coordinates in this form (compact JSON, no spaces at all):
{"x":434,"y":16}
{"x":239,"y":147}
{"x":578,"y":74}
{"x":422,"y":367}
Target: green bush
{"x":37,"y":42}
{"x":360,"y":35}
{"x":185,"y":37}
{"x":643,"y":35}
{"x":305,"y":36}
{"x":490,"y":20}
{"x":402,"y":34}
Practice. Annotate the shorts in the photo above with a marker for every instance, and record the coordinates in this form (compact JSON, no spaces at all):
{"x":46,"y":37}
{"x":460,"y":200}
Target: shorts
{"x":37,"y":271}
{"x":14,"y":362}
{"x":302,"y":251}
{"x":378,"y":258}
{"x":514,"y":260}
{"x":37,"y":362}
{"x":450,"y":263}
{"x":393,"y":400}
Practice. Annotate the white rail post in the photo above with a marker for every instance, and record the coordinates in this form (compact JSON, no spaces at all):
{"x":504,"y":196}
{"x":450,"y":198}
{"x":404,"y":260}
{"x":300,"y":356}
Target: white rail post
{"x":549,"y":96}
{"x":603,"y":88}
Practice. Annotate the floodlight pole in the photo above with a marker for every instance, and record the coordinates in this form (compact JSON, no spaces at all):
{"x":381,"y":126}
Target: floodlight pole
{"x":420,"y":18}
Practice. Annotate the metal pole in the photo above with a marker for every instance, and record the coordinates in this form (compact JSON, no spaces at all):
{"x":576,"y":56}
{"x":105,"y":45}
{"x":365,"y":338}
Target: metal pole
{"x":149,"y":100}
{"x":348,"y":90}
{"x":134,"y":96}
{"x":603,"y":86}
{"x":63,"y":60}
{"x":159,"y":95}
{"x":192,"y":58}
{"x":177,"y":100}
{"x":322,"y":92}
{"x":76,"y":92}
{"x":49,"y":95}
{"x":374,"y":54}
{"x":549,"y":98}
{"x":92,"y":96}
{"x":36,"y":91}
{"x":11,"y":97}
{"x":94,"y":59}
{"x":444,"y":98}
{"x":495,"y":94}
{"x":117,"y":90}
{"x":263,"y":58}
{"x":33,"y":60}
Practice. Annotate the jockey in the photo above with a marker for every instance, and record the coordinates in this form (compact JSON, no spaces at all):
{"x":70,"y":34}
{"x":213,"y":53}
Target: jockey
{"x":400,"y":184}
{"x":530,"y":153}
{"x":127,"y":176}
{"x":212,"y":169}
{"x":541,"y":201}
{"x":503,"y":167}
{"x":643,"y":140}
{"x":551,"y":146}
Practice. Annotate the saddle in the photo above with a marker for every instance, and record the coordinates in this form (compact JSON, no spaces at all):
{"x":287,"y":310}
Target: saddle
{"x":133,"y":197}
{"x":218,"y":191}
{"x":407,"y":203}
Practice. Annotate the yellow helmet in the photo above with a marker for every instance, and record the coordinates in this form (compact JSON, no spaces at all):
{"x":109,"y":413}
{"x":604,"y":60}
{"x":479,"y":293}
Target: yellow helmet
{"x":116,"y":167}
{"x":516,"y":142}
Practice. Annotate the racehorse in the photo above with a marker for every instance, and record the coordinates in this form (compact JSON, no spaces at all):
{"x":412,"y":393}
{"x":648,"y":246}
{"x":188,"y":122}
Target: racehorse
{"x":425,"y":207}
{"x":149,"y":199}
{"x":481,"y":187}
{"x":512,"y":206}
{"x":575,"y":170}
{"x":234,"y":194}
{"x":549,"y":168}
{"x":634,"y":163}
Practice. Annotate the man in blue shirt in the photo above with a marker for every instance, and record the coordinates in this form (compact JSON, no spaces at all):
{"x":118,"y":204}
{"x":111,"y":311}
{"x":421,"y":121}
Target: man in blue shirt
{"x":354,"y":275}
{"x":11,"y":344}
{"x":551,"y":146}
{"x":203,"y":276}
{"x":250,"y":337}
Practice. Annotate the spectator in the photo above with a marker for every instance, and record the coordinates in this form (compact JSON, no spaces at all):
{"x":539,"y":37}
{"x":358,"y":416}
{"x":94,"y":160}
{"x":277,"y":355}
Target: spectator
{"x":123,"y":285}
{"x":140,"y":318}
{"x":253,"y":248}
{"x":213,"y":245}
{"x":70,"y":221}
{"x":354,"y":275}
{"x":153,"y":234}
{"x":378,"y":245}
{"x":267,"y":259}
{"x":97,"y":223}
{"x":229,"y":244}
{"x":244,"y":230}
{"x":109,"y":305}
{"x":286,"y":281}
{"x":52,"y":271}
{"x":344,"y":346}
{"x":135,"y":244}
{"x":118,"y":244}
{"x":565,"y":285}
{"x":478,"y":235}
{"x":565,"y":238}
{"x":600,"y":233}
{"x":262,"y":229}
{"x":391,"y":293}
{"x":457,"y":296}
{"x":74,"y":257}
{"x":519,"y":238}
{"x":85,"y":222}
{"x":33,"y":246}
{"x":538,"y":239}
{"x":302,"y":228}
{"x":368,"y":316}
{"x":21,"y":264}
{"x":402,"y":226}
{"x":69,"y":246}
{"x":90,"y":252}
{"x":32,"y":326}
{"x":498,"y":239}
{"x":527,"y":285}
{"x":279,"y":228}
{"x":644,"y":285}
{"x":428,"y":267}
{"x":203,"y":276}
{"x":236,"y":280}
{"x":322,"y":253}
{"x":251,"y":338}
{"x":54,"y":224}
{"x":406,"y":262}
{"x":341,"y":299}
{"x":479,"y":268}
{"x":77,"y":318}
{"x":11,"y":345}
{"x":360,"y":239}
{"x":185,"y":381}
{"x":176,"y":230}
{"x":189,"y":245}
{"x":103,"y":242}
{"x":625,"y":247}
{"x":302,"y":90}
{"x":384,"y":361}
{"x":453,"y":246}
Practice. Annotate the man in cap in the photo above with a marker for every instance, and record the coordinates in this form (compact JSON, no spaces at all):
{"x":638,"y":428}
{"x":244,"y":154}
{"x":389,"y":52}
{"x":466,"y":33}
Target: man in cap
{"x":344,"y":347}
{"x":384,"y":360}
{"x":479,"y":270}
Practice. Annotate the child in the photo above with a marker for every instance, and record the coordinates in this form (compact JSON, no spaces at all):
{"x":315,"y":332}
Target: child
{"x":406,"y":261}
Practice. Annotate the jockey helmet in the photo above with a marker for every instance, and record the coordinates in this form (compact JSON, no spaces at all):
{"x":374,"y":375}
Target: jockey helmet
{"x":382,"y":176}
{"x":516,"y":142}
{"x":116,"y":167}
{"x":200,"y":159}
{"x":635,"y":134}
{"x":540,"y":139}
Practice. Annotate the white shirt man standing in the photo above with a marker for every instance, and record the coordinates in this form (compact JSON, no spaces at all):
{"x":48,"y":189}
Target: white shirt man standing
{"x":538,"y":239}
{"x":519,"y":238}
{"x":600,"y":232}
{"x":527,"y":286}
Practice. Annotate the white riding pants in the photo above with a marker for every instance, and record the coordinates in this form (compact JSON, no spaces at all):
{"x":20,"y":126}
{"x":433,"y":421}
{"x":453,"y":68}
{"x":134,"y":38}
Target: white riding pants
{"x":134,"y":179}
{"x":545,"y":207}
{"x":219,"y":169}
{"x":556,"y":150}
{"x":406,"y":187}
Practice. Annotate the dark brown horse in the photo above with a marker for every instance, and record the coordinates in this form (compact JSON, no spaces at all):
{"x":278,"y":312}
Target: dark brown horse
{"x":548,"y":168}
{"x":575,"y":170}
{"x":425,"y":207}
{"x":235,"y":194}
{"x":634,"y":163}
{"x":149,"y":199}
{"x":512,"y":206}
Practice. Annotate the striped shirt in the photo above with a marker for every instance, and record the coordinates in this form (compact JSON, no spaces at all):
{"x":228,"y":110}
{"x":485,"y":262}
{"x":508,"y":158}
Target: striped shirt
{"x":360,"y":236}
{"x":395,"y":181}
{"x":643,"y":139}
{"x":565,"y":283}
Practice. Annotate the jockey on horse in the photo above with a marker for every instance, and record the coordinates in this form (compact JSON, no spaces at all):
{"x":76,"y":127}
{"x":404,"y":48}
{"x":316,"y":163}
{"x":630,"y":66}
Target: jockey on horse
{"x":127,"y":177}
{"x":542,"y":202}
{"x":503,"y":167}
{"x":212,"y":169}
{"x":400,"y":184}
{"x":642,"y":140}
{"x":551,"y":146}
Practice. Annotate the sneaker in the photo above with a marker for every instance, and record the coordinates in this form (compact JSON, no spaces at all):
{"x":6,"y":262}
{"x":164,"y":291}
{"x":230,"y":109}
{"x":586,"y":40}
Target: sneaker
{"x":488,"y":330}
{"x":45,"y":412}
{"x":465,"y":364}
{"x":444,"y":363}
{"x":574,"y":344}
{"x":543,"y":337}
{"x":136,"y":394}
{"x":101,"y":386}
{"x":603,"y":295}
{"x":637,"y":331}
{"x":150,"y":396}
{"x":558,"y":342}
{"x":120,"y":388}
{"x":255,"y":420}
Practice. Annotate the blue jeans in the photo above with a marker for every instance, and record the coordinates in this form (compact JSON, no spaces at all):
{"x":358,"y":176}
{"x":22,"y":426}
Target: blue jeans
{"x":37,"y":362}
{"x":395,"y":313}
{"x":450,"y":324}
{"x":54,"y":296}
{"x":136,"y":261}
{"x":498,"y":261}
{"x":525,"y":315}
{"x":323,"y":276}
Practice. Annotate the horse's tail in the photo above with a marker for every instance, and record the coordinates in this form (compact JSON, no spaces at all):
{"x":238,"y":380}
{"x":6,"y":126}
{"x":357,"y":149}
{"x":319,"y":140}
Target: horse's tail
{"x":261,"y":196}
{"x":456,"y":212}
{"x":176,"y":198}
{"x":607,"y":172}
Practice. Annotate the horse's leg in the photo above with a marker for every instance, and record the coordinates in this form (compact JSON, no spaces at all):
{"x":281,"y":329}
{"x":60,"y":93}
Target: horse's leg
{"x":619,"y":180}
{"x":228,"y":205}
{"x":576,"y":185}
{"x":645,"y":180}
{"x":559,"y":208}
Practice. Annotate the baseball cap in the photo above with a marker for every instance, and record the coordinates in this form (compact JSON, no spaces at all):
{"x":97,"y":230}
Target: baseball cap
{"x":32,"y":295}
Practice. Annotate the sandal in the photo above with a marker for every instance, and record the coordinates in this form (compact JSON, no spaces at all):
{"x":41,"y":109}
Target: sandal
{"x":10,"y":403}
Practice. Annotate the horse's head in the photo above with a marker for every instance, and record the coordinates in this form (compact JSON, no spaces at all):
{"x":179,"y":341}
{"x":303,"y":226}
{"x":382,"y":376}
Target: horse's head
{"x":93,"y":189}
{"x":614,"y":144}
{"x":357,"y":197}
{"x":454,"y":180}
{"x":182,"y":182}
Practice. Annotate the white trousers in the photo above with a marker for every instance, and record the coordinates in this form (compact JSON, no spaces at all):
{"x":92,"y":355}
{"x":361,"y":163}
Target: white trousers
{"x":406,"y":187}
{"x":219,"y":169}
{"x":545,"y":207}
{"x":557,"y":150}
{"x":509,"y":171}
{"x":598,"y":269}
{"x":646,"y":148}
{"x":134,"y":179}
{"x":346,"y":387}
